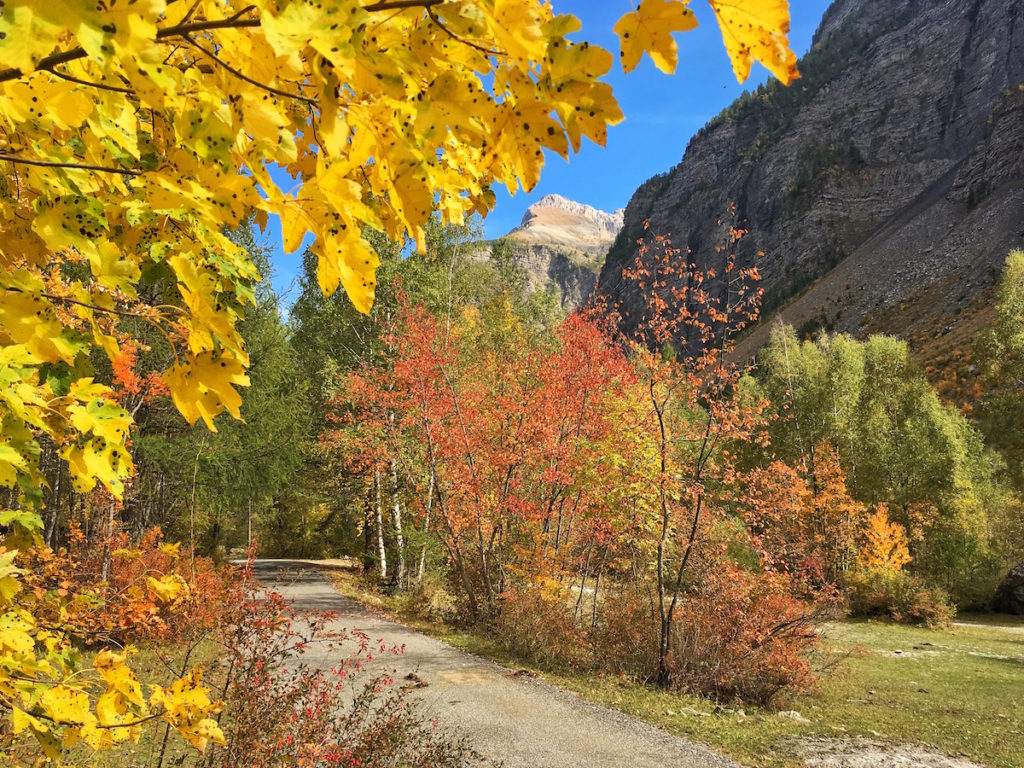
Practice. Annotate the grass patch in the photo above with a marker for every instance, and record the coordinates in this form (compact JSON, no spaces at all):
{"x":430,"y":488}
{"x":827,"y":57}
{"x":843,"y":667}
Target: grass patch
{"x":958,"y":690}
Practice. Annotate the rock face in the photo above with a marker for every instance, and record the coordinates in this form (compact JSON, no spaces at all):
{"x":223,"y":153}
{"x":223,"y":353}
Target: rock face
{"x":561,"y":243}
{"x":1010,"y":595}
{"x":889,"y":178}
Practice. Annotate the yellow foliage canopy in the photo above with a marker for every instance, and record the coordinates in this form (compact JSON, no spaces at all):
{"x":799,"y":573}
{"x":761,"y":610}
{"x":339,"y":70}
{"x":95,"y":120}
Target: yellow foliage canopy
{"x":133,"y":135}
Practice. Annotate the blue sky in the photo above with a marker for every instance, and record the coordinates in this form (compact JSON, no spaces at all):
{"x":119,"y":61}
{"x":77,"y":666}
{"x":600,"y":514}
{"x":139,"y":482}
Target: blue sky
{"x":662,"y":113}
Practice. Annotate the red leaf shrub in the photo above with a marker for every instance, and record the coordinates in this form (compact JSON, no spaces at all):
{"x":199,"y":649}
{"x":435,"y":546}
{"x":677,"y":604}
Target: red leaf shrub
{"x":282,"y":709}
{"x":743,"y":635}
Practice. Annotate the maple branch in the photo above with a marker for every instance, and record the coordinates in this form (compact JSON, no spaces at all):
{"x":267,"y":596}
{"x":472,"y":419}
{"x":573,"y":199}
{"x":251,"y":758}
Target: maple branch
{"x":440,"y":24}
{"x":191,"y":11}
{"x":40,"y":715}
{"x":186,"y":28}
{"x":242,"y":76}
{"x":94,"y":307}
{"x":400,"y":5}
{"x":89,"y":83}
{"x":72,"y":166}
{"x":178,"y":30}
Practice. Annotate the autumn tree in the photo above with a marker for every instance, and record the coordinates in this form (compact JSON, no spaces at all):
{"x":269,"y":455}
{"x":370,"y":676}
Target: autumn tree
{"x":690,"y":409}
{"x":866,"y":405}
{"x":885,"y":546}
{"x":1001,"y":355}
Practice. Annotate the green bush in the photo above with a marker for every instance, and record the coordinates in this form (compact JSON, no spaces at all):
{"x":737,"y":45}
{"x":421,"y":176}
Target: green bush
{"x":897,"y":595}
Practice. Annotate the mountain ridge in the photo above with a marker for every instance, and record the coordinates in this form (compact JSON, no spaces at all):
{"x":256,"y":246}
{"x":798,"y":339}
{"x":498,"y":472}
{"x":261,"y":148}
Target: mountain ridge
{"x":894,"y":167}
{"x":560,"y":245}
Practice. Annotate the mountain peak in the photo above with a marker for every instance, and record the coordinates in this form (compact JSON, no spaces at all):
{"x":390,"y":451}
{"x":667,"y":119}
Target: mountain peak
{"x":556,"y":220}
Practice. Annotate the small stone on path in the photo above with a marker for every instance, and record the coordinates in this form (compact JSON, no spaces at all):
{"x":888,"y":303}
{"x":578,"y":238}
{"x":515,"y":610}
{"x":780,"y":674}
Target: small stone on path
{"x":793,"y":715}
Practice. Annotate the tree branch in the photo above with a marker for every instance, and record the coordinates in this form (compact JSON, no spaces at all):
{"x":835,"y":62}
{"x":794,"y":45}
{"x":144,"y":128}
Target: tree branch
{"x":89,"y":83}
{"x":186,"y":28}
{"x":440,"y":24}
{"x":72,"y":166}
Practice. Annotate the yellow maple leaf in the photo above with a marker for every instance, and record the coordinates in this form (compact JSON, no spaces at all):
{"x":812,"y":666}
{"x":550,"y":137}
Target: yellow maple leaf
{"x":167,"y":589}
{"x":66,"y":705}
{"x":21,"y":720}
{"x":9,"y":572}
{"x":757,"y":30}
{"x":171,"y":550}
{"x":649,"y":30}
{"x":352,"y":263}
{"x":15,"y":634}
{"x":203,"y":386}
{"x":186,"y":707}
{"x":119,"y":677}
{"x":11,"y":463}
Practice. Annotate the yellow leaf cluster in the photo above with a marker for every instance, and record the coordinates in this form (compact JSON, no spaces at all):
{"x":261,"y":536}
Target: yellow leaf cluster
{"x":885,"y":546}
{"x":753,"y":30}
{"x":167,"y":589}
{"x":60,"y":706}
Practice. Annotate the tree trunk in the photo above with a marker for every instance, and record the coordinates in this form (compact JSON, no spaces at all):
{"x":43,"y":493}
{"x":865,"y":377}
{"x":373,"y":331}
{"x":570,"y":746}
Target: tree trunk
{"x":396,"y":520}
{"x":368,"y":533}
{"x":105,"y":571}
{"x":426,"y":528}
{"x":53,"y":509}
{"x":382,"y":558}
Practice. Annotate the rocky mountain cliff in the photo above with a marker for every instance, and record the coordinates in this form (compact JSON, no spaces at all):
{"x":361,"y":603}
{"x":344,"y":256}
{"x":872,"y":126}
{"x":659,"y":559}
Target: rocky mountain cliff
{"x":562,"y":244}
{"x":886,"y":187}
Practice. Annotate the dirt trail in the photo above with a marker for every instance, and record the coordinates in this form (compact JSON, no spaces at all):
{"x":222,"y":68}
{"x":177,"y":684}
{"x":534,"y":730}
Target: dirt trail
{"x":516,"y":721}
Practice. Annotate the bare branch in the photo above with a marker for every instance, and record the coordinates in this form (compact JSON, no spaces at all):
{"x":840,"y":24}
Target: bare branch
{"x":71,"y":166}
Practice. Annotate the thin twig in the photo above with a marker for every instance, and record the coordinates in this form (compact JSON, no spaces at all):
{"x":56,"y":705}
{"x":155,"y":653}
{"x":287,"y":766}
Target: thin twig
{"x":89,"y":83}
{"x":94,"y":307}
{"x":71,"y":166}
{"x":246,"y":78}
{"x":440,"y":24}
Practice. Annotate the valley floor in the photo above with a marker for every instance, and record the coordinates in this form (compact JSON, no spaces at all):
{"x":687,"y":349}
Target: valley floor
{"x":888,"y":695}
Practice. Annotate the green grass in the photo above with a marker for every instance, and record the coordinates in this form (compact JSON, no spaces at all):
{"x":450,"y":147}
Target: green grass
{"x":958,"y":690}
{"x":963,"y":695}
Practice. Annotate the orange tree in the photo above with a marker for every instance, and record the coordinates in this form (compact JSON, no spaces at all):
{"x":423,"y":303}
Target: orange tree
{"x":500,"y":442}
{"x":689,"y":411}
{"x":133,"y":135}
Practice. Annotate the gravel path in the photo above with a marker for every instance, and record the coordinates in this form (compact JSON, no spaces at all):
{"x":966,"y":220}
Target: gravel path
{"x":516,"y":721}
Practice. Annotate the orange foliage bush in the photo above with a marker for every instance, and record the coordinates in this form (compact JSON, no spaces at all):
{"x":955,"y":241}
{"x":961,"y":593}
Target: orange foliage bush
{"x":743,"y":635}
{"x":115,"y":590}
{"x":541,"y":629}
{"x":896,"y":595}
{"x":740,"y":635}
